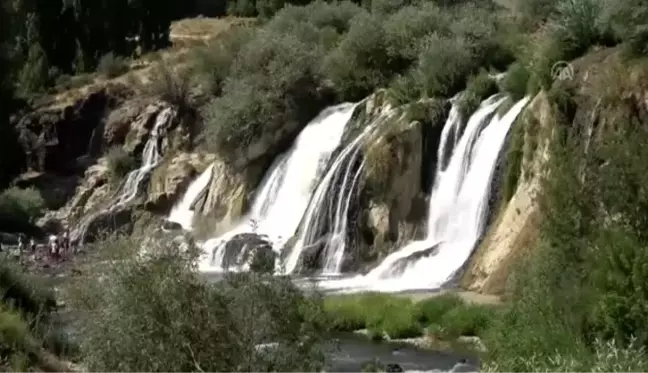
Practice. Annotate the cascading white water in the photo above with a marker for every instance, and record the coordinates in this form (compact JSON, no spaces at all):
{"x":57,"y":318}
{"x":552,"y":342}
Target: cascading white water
{"x":336,"y":239}
{"x":457,"y":209}
{"x":284,"y":194}
{"x":130,"y":187}
{"x":182,"y":212}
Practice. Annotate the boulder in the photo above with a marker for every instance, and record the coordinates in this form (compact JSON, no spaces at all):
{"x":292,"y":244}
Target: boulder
{"x":225,"y":201}
{"x":248,"y":248}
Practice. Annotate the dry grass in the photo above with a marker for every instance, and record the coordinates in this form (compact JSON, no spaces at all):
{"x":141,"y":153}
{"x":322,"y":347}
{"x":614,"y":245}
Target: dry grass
{"x":190,"y":30}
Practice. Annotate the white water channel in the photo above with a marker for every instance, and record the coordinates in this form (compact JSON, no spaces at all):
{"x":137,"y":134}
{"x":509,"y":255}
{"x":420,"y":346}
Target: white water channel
{"x":330,"y":204}
{"x":182,"y":213}
{"x":287,"y":189}
{"x":457,"y":210}
{"x":130,"y":188}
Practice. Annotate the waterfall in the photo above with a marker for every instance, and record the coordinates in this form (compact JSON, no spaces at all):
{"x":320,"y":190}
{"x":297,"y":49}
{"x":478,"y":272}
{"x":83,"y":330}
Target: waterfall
{"x":129,"y":189}
{"x":318,"y":211}
{"x":457,"y":208}
{"x":182,"y":213}
{"x":284,"y":194}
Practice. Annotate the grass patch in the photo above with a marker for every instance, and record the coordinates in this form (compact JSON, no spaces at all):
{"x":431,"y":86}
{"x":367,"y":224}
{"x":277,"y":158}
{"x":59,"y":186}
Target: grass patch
{"x":400,"y":317}
{"x":19,"y":208}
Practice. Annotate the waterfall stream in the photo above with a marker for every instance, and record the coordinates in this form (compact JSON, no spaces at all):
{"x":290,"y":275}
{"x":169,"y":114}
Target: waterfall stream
{"x":130,"y":188}
{"x":285,"y":193}
{"x":457,"y":208}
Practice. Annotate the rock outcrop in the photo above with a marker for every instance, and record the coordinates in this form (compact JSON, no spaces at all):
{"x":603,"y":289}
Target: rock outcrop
{"x":54,"y":135}
{"x":393,"y":193}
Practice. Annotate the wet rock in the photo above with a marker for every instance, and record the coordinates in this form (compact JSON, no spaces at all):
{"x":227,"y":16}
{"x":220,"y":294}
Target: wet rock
{"x":170,"y":179}
{"x":394,"y":368}
{"x":171,"y":226}
{"x":473,"y":341}
{"x":245,"y":248}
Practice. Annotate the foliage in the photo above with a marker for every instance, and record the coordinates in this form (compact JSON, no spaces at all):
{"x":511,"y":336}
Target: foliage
{"x":111,"y":66}
{"x":120,"y":163}
{"x":172,"y":86}
{"x":156,"y":312}
{"x":272,"y":86}
{"x":399,"y":317}
{"x":20,"y":207}
{"x":23,"y":292}
{"x":516,"y":81}
{"x":479,"y":88}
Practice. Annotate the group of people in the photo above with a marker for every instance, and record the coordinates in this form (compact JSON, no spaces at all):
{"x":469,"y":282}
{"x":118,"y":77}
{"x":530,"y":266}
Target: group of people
{"x":57,"y":246}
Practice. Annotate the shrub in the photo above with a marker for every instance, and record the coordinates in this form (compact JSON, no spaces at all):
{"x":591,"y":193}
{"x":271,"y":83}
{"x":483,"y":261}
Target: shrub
{"x":444,"y":65}
{"x":433,"y":309}
{"x":157,"y":313}
{"x":577,"y":25}
{"x":514,"y":159}
{"x":16,"y":345}
{"x":516,"y":81}
{"x":360,"y":63}
{"x":272,"y":86}
{"x":19,"y":207}
{"x":405,"y":30}
{"x":25,"y":293}
{"x":172,"y":86}
{"x":213,"y":63}
{"x":112,"y":66}
{"x":120,"y":163}
{"x":469,"y":320}
{"x":479,"y":87}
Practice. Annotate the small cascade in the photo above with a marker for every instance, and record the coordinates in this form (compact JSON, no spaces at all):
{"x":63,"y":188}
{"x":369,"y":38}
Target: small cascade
{"x":182,"y":213}
{"x":457,"y":209}
{"x":283,"y":196}
{"x":129,"y":189}
{"x":330,"y":205}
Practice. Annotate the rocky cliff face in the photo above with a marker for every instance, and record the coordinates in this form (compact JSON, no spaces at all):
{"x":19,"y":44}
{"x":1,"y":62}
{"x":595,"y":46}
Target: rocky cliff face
{"x":603,"y":94}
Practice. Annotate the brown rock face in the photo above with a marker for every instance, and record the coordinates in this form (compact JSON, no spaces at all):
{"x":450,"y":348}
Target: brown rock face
{"x":53,"y":137}
{"x":171,"y":179}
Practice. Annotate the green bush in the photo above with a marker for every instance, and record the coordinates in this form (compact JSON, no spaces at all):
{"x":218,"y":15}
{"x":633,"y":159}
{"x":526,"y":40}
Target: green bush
{"x":272,"y":86}
{"x":516,"y":81}
{"x":25,"y":293}
{"x":213,"y":63}
{"x":479,"y":88}
{"x":405,"y":30}
{"x":514,"y":159}
{"x":469,"y":320}
{"x":172,"y":86}
{"x":157,"y":313}
{"x":433,"y":309}
{"x":112,"y":66}
{"x":577,"y":25}
{"x":444,"y":65}
{"x":120,"y":163}
{"x":360,"y":63}
{"x":20,"y":207}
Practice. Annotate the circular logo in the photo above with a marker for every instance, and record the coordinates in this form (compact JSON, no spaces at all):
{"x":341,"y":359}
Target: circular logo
{"x":562,"y":70}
